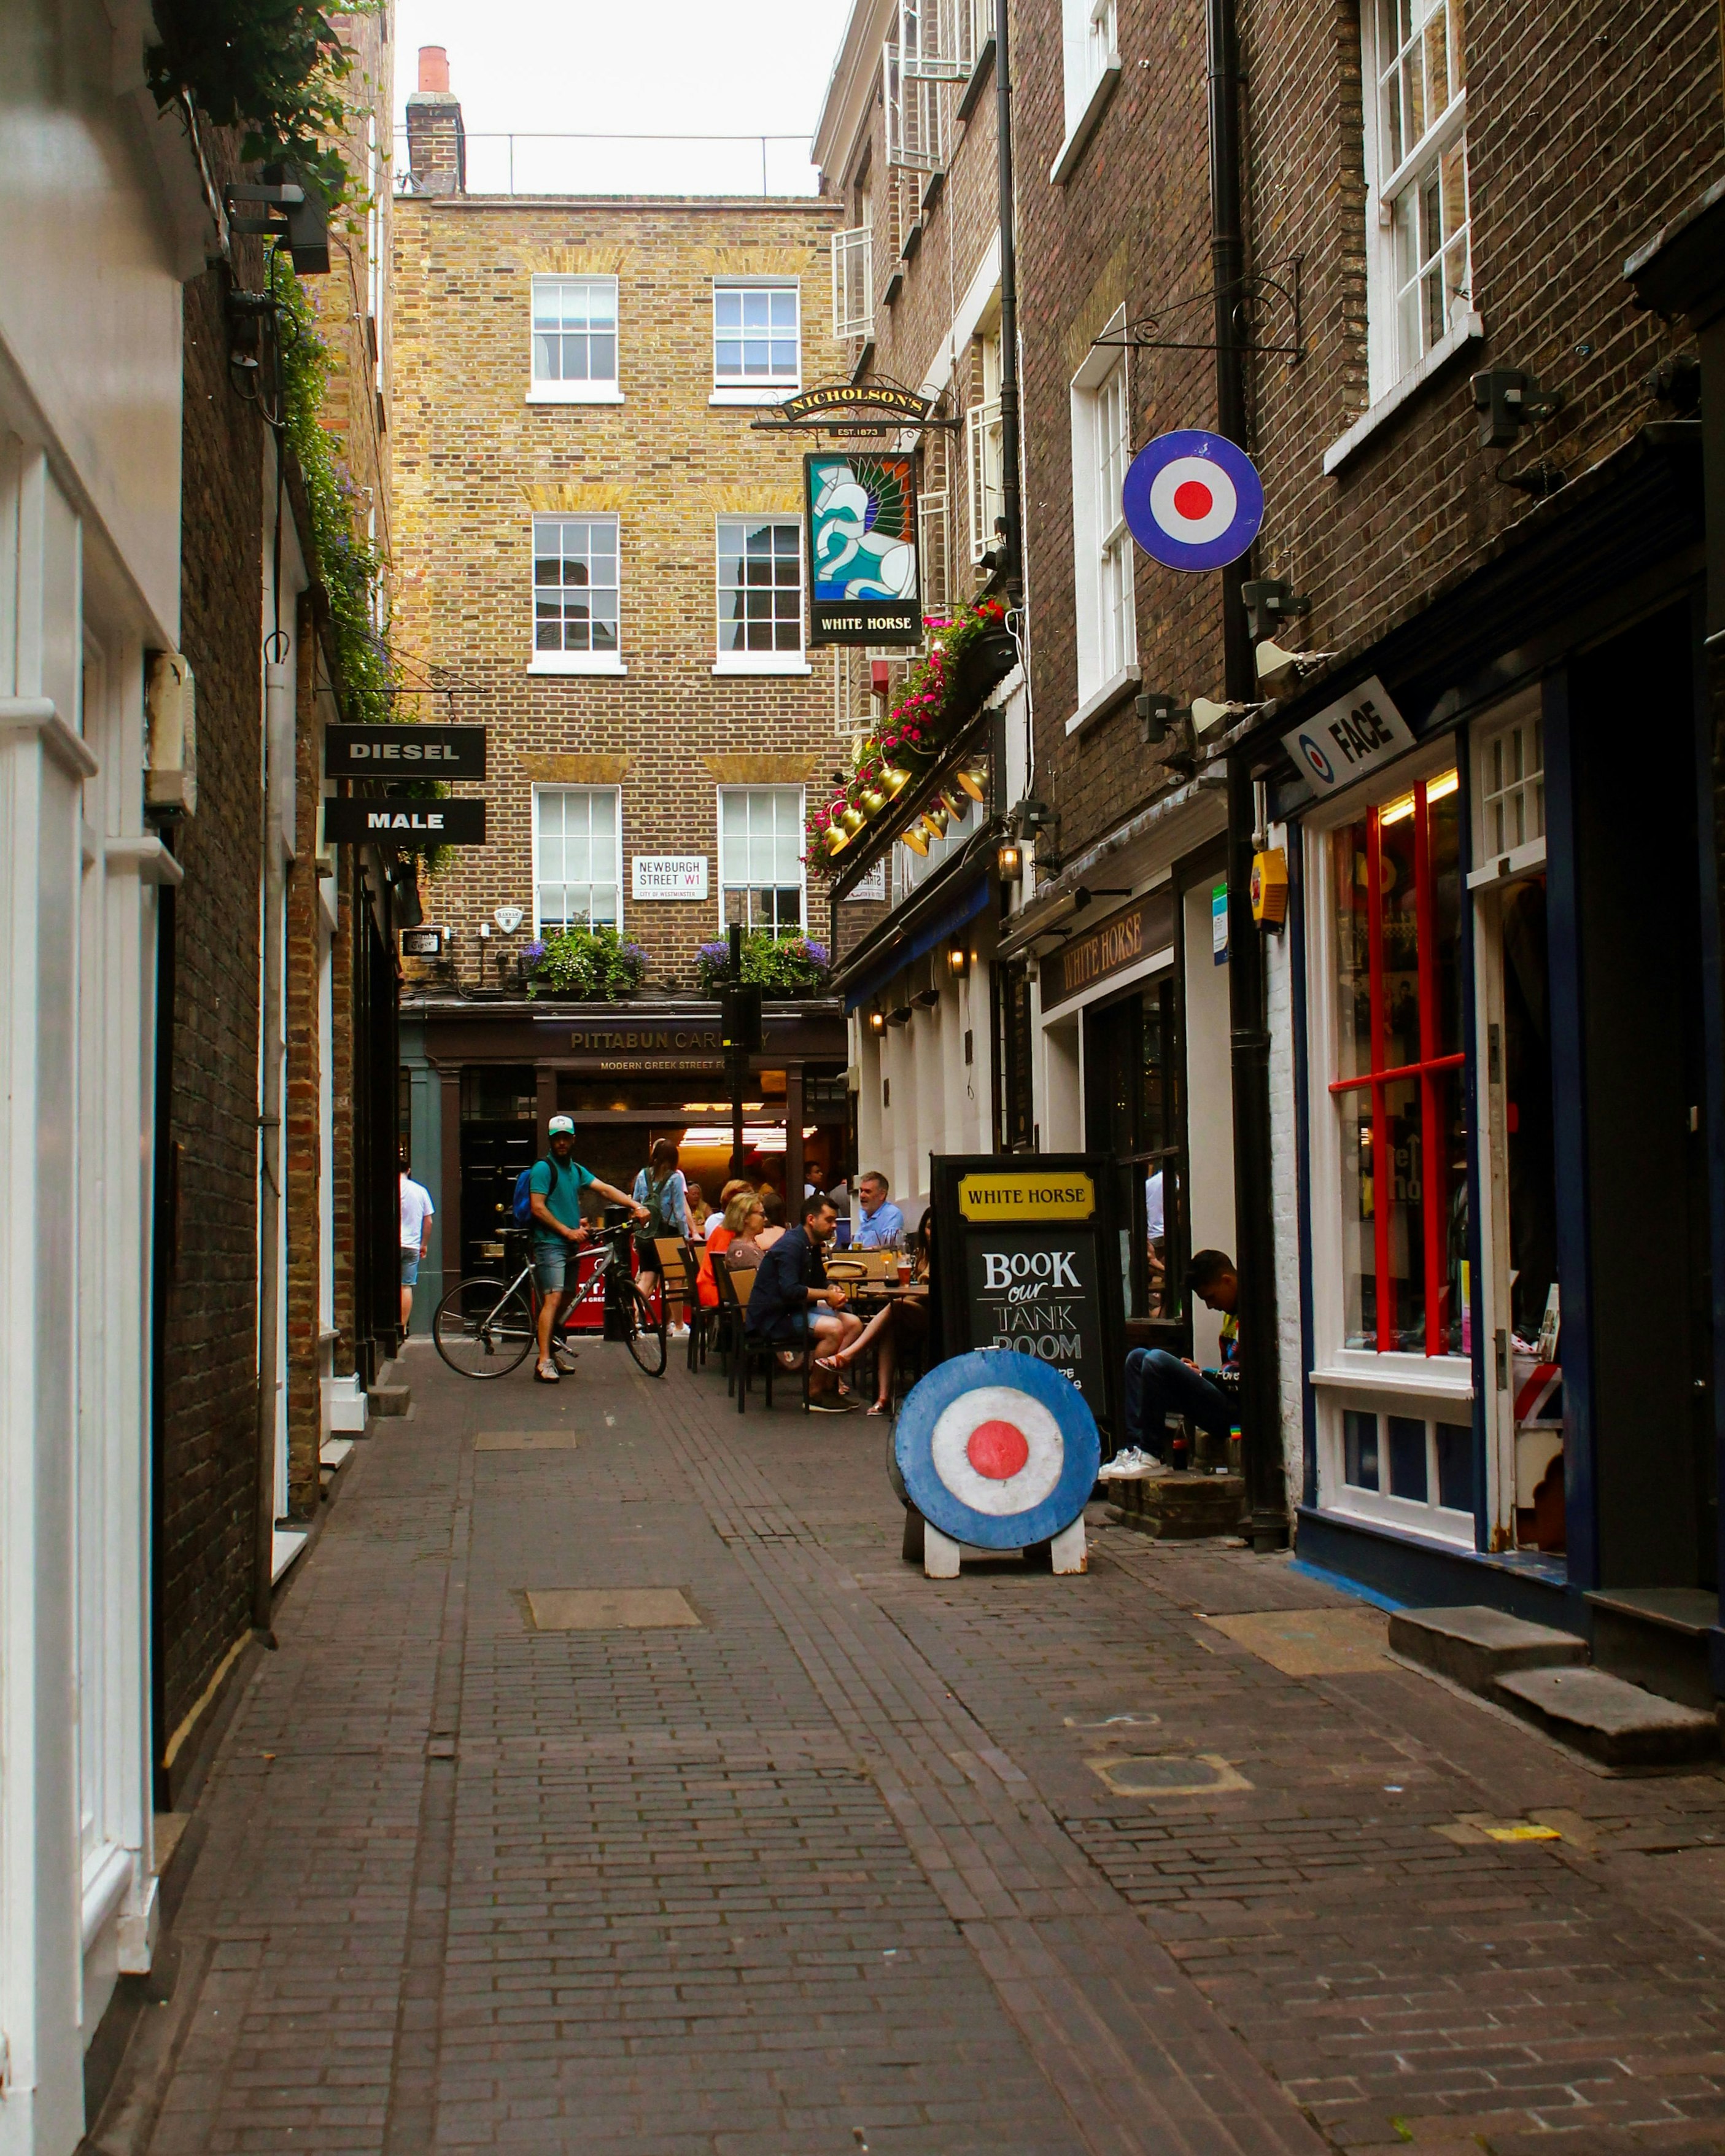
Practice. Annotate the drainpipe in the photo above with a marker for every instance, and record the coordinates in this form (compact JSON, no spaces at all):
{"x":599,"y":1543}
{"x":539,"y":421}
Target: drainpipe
{"x":279,"y":725}
{"x":1254,"y":1228}
{"x":1011,"y":500}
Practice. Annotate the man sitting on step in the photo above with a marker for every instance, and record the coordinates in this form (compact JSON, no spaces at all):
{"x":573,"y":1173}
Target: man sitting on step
{"x":1158,"y":1384}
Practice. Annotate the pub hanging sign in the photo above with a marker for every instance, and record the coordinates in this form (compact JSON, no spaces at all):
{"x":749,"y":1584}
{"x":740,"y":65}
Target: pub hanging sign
{"x":864,"y":579}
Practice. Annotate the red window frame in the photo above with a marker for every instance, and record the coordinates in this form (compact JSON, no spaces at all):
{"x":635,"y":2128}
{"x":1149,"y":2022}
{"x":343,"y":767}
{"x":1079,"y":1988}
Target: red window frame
{"x":1433,"y":1182}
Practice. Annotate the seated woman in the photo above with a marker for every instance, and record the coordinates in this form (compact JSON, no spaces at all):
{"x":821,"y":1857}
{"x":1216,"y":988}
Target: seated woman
{"x":727,"y":1236}
{"x":897,"y":1329}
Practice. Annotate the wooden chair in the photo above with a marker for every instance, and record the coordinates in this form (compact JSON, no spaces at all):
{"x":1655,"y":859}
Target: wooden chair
{"x":703,"y":1317}
{"x":735,"y":1288}
{"x":679,"y":1284}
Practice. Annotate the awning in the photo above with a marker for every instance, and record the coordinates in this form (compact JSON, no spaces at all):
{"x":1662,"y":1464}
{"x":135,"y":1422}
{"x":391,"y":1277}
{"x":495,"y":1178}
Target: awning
{"x":955,"y":912}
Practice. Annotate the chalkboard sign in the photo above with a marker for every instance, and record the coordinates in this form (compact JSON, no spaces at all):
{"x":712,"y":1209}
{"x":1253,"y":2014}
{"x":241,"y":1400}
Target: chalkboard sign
{"x":1028,"y":1252}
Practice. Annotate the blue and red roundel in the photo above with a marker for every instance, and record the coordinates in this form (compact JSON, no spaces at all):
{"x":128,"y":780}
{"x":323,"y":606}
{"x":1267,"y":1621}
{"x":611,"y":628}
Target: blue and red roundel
{"x":997,"y":1449}
{"x":1193,"y":500}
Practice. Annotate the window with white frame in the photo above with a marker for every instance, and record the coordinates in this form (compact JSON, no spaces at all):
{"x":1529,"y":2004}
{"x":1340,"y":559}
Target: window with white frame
{"x":760,"y":589}
{"x":1107,"y":637}
{"x":1512,"y":785}
{"x":1089,"y":48}
{"x":756,"y":336}
{"x":1417,"y":200}
{"x":983,"y":439}
{"x":761,"y":857}
{"x":575,"y":336}
{"x":575,"y":588}
{"x":853,"y":280}
{"x":578,"y":858}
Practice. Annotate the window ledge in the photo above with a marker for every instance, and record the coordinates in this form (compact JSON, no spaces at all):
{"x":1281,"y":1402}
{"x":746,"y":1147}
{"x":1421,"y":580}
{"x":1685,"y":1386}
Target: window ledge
{"x":1112,"y":694}
{"x":574,"y":392}
{"x":774,"y":393}
{"x":1465,"y":330}
{"x":1077,"y":143}
{"x":1433,"y":1376}
{"x":1503,"y":868}
{"x":761,"y":663}
{"x":972,"y":90}
{"x":575,"y":662}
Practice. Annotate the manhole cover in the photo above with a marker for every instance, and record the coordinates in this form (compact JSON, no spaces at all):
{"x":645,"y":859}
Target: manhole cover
{"x":612,"y":1609}
{"x":1167,"y":1776}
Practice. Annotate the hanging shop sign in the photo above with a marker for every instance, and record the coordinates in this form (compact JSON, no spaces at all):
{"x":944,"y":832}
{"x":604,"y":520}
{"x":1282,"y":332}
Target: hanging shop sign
{"x":835,"y":403}
{"x":1349,"y":737}
{"x":1193,"y":500}
{"x":864,"y":576}
{"x":404,"y":822}
{"x":1124,"y":940}
{"x":1029,"y":1258}
{"x":668,"y":875}
{"x":996,"y":1450}
{"x":422,"y":942}
{"x":389,"y":752}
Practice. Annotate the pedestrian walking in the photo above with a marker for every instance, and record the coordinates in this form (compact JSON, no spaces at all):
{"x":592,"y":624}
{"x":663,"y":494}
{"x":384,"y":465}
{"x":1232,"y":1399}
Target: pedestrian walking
{"x":417,"y":1214}
{"x":661,"y":1189}
{"x":555,"y":1184}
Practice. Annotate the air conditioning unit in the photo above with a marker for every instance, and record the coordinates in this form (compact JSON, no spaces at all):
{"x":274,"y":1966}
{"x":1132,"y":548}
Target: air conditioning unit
{"x":171,"y":715}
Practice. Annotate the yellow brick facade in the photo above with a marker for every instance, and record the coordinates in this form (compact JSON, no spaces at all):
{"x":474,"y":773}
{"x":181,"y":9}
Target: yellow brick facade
{"x":474,"y":459}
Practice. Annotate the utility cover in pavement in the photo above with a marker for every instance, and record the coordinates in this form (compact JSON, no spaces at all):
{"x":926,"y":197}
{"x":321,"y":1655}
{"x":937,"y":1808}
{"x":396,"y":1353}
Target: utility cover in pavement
{"x":608,"y":1609}
{"x":525,"y":1440}
{"x":1167,"y":1776}
{"x":1310,"y":1643}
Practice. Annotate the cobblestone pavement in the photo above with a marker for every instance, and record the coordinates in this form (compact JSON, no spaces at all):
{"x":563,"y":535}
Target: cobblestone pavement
{"x":856,"y":1859}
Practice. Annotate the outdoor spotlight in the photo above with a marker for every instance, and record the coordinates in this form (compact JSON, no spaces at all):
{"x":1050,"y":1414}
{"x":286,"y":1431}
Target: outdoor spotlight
{"x":873,"y":800}
{"x":937,"y":816}
{"x":973,"y":783}
{"x":1009,"y":860}
{"x":852,"y":818}
{"x":1280,"y":669}
{"x":916,"y":839}
{"x":893,"y":779}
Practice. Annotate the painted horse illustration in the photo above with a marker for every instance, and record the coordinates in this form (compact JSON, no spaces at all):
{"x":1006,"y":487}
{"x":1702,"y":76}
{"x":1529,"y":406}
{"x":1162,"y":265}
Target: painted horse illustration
{"x":862,"y":515}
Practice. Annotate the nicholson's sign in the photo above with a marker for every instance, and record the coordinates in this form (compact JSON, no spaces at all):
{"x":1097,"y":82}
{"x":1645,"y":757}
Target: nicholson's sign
{"x":1137,"y":932}
{"x":388,"y":751}
{"x":404,"y":822}
{"x":842,"y":400}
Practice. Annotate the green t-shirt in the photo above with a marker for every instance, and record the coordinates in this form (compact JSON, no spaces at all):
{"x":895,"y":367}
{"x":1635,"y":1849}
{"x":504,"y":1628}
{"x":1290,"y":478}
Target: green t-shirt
{"x":561,"y":1188}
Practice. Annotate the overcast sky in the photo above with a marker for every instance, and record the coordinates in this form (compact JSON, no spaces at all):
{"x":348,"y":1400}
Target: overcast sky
{"x":676,"y":67}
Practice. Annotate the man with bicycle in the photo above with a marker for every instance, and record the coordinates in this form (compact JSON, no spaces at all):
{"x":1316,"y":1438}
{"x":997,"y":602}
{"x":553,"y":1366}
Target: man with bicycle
{"x":559,"y":1231}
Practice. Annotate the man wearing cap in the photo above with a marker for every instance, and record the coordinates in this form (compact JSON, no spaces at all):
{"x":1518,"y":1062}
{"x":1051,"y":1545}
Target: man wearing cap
{"x":557,"y":1184}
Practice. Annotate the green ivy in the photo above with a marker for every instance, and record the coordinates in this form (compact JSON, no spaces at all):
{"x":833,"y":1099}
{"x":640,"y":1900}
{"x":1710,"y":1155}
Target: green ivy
{"x":595,"y":965}
{"x":348,"y":563}
{"x":271,"y":68}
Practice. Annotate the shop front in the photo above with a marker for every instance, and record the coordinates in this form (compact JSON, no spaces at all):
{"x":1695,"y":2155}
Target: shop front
{"x":483,"y":1082}
{"x":1503,"y":980}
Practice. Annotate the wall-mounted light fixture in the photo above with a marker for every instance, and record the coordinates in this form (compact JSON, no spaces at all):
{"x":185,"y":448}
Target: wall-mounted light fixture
{"x":1009,"y":860}
{"x":957,"y":962}
{"x":877,"y":1021}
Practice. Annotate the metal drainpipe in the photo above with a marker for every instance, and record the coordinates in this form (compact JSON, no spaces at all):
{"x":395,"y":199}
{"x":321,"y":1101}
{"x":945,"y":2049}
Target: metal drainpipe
{"x":1254,"y":1228}
{"x":279,"y":717}
{"x":1011,"y":501}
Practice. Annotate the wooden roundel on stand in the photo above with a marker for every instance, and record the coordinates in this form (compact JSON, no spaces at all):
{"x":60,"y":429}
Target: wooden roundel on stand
{"x":997,"y":1449}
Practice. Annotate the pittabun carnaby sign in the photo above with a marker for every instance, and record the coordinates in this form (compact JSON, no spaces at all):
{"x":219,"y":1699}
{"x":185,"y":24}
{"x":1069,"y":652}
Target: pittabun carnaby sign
{"x":607,"y":1046}
{"x":1028,"y":1263}
{"x":1349,"y":737}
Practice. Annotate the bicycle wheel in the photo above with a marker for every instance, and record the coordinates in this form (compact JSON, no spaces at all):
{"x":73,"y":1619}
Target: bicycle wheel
{"x":646,"y":1334}
{"x":483,"y":1329}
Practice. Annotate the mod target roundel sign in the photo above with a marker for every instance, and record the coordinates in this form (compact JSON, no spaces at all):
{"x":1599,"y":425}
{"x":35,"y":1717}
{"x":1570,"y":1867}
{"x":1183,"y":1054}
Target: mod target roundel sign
{"x":1193,"y":500}
{"x":997,"y":1449}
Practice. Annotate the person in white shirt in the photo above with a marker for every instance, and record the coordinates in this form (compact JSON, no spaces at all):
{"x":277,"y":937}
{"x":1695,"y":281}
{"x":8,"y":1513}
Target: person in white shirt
{"x":416,"y":1214}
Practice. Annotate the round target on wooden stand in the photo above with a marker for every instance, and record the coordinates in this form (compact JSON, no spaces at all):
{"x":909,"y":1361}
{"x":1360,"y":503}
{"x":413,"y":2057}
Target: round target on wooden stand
{"x":997,"y":1449}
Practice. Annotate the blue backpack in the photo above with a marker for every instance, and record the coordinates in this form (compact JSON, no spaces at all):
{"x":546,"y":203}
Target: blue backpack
{"x":522,"y":1205}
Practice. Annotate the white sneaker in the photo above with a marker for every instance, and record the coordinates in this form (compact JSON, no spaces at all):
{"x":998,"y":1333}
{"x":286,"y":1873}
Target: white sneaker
{"x":677,"y":1333}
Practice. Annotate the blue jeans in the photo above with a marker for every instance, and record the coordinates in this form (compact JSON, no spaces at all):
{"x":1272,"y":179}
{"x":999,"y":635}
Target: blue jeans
{"x":1158,"y":1385}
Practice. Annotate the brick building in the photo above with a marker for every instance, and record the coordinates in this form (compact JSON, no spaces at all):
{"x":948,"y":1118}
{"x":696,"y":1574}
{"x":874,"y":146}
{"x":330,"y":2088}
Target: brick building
{"x":600,"y":559}
{"x":907,"y":143}
{"x":1489,"y":1020}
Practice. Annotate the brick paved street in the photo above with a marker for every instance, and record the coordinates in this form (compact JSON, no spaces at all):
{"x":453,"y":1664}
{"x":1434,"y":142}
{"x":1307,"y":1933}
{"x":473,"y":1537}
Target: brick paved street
{"x":837,"y":1867}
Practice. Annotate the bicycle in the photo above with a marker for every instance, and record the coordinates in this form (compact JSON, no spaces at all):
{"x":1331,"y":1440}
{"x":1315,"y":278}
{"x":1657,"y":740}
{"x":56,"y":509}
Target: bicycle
{"x":485,"y":1326}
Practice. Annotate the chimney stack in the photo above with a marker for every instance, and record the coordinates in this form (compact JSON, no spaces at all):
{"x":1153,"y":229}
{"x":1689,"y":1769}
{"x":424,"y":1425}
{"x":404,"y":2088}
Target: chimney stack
{"x":437,"y":142}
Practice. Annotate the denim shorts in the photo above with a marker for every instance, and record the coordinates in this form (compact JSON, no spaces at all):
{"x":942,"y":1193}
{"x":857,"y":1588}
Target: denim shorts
{"x":789,"y":1329}
{"x":410,"y":1268}
{"x":554,"y":1265}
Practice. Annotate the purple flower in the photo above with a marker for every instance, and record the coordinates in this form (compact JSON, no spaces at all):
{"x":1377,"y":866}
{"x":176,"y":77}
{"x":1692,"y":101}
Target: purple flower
{"x":818,"y":953}
{"x":534,"y":952}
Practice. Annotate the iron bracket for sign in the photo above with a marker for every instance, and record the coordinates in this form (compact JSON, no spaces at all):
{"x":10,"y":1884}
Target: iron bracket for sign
{"x":1143,"y":334}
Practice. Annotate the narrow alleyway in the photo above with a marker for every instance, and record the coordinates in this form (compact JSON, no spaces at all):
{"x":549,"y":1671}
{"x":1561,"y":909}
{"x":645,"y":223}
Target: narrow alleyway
{"x":851,"y":1860}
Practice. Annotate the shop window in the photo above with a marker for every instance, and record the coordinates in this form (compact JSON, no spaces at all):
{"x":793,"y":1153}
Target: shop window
{"x":575,"y":338}
{"x":760,"y":592}
{"x":1417,"y":204}
{"x":761,"y":857}
{"x":575,"y":587}
{"x":756,"y":337}
{"x":1132,"y":1116}
{"x":1398,"y":1084}
{"x":1014,"y":1100}
{"x":578,"y":858}
{"x":1408,"y":1457}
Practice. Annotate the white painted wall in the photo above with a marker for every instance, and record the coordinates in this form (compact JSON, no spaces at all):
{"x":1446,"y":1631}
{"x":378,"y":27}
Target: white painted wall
{"x":99,"y":221}
{"x":1285,"y":1173}
{"x":1209,"y":1107}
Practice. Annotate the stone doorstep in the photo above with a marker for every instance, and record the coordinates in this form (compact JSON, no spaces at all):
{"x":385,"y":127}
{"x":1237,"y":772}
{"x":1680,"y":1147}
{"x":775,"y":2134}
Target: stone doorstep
{"x":391,"y":1395}
{"x":1474,"y":1645}
{"x":1616,"y":1723}
{"x":1179,"y":1507}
